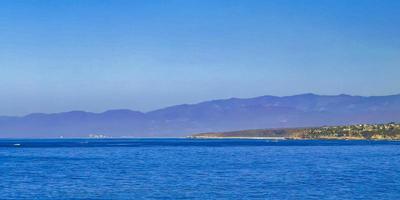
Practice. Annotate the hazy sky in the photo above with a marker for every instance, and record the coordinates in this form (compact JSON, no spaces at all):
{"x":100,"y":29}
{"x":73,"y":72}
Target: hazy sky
{"x":142,"y":55}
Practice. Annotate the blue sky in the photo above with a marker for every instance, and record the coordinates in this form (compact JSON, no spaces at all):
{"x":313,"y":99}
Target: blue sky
{"x":143,"y":55}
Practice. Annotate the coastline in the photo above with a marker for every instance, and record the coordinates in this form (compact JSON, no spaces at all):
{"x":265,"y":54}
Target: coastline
{"x":289,"y":138}
{"x":379,"y":132}
{"x":245,"y":138}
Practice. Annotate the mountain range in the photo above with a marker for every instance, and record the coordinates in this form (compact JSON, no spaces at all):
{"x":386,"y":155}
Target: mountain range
{"x":305,"y":110}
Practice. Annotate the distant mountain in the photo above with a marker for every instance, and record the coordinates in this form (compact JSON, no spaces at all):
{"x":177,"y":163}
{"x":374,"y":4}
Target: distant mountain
{"x":212,"y":116}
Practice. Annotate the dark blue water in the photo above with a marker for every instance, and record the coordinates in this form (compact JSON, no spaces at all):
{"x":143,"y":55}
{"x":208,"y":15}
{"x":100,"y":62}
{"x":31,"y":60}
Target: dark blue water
{"x":198,"y":169}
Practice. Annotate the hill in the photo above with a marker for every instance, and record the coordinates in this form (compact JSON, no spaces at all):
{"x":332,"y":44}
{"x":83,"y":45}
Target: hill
{"x":390,"y":131}
{"x":306,"y":110}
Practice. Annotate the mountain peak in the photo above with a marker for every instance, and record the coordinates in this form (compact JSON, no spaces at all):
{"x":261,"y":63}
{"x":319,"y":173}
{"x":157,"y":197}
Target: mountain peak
{"x":217,"y":115}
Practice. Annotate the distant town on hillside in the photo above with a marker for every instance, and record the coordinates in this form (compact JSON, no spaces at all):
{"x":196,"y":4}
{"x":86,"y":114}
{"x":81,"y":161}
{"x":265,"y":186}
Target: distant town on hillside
{"x":389,"y":131}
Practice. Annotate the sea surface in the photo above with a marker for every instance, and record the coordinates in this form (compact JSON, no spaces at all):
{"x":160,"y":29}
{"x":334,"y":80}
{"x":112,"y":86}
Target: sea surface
{"x":198,"y":169}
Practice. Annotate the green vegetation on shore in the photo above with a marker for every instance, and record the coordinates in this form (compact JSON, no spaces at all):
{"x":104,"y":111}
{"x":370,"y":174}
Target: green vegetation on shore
{"x":389,"y":131}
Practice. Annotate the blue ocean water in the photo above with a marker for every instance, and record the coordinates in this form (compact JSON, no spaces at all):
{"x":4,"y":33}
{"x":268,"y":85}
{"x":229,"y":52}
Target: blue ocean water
{"x":198,"y":169}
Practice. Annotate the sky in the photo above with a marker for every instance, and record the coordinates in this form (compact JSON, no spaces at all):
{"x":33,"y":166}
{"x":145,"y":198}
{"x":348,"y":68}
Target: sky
{"x":96,"y":55}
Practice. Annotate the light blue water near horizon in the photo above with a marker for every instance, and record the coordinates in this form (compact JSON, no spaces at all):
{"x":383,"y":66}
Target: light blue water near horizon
{"x":198,"y":169}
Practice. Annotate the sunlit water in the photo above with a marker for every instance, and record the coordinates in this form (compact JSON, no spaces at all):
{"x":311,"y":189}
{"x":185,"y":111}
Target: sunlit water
{"x":198,"y":169}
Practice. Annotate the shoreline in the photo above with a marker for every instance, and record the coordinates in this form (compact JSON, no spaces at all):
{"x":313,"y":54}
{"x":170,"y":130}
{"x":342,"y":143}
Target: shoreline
{"x":246,"y":138}
{"x":285,"y":138}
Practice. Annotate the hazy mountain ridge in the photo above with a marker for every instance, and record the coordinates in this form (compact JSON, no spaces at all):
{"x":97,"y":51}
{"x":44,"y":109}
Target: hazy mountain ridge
{"x":217,"y":115}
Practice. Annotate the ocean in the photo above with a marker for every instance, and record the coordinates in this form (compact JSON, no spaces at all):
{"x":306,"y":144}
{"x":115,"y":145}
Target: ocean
{"x":198,"y":169}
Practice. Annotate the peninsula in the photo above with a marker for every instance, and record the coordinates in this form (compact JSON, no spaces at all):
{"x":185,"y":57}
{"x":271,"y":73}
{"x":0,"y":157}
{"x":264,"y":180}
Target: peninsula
{"x":389,"y":131}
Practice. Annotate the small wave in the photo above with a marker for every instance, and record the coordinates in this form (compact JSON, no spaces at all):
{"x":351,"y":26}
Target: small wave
{"x":119,"y":144}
